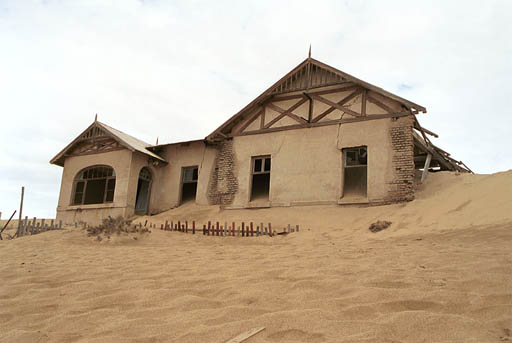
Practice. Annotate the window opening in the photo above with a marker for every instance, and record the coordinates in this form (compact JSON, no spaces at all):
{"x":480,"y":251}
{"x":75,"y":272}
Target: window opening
{"x":94,"y":185}
{"x":189,"y":184}
{"x":260,"y":170}
{"x":355,"y":162}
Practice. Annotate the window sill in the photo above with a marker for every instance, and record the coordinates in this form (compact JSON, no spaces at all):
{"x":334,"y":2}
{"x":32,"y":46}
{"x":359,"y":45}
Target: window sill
{"x":353,"y":201}
{"x":90,"y":207}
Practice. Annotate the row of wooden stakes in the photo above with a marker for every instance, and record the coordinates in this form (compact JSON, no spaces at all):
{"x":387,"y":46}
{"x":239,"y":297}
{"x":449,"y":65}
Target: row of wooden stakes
{"x":32,"y":227}
{"x":217,"y":229}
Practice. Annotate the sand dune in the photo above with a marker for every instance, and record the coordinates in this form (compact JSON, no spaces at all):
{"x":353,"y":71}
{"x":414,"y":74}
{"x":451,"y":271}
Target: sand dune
{"x":442,"y":272}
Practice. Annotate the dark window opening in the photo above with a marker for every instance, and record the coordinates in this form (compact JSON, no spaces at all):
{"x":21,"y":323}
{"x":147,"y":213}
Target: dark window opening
{"x":260,"y":188}
{"x":355,"y":172}
{"x":95,"y":185}
{"x":189,"y":184}
{"x":143,"y":192}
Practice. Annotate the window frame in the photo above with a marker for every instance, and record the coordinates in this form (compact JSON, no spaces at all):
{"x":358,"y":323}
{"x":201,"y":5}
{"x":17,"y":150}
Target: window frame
{"x":263,"y":159}
{"x":192,"y":168}
{"x":355,"y":149}
{"x":78,"y":179}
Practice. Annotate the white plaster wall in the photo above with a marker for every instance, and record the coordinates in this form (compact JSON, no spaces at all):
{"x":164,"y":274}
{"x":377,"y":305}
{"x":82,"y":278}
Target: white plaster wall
{"x":307,"y":163}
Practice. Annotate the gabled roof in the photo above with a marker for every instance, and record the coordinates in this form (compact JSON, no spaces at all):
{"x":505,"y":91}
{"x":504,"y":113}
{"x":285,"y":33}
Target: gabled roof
{"x":98,"y":129}
{"x":312,"y":74}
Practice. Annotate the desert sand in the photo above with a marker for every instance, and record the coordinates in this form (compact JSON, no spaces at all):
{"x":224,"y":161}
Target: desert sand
{"x":442,"y":272}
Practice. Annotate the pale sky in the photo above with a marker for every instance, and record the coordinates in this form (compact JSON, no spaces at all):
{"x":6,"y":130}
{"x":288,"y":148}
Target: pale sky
{"x":179,"y":69}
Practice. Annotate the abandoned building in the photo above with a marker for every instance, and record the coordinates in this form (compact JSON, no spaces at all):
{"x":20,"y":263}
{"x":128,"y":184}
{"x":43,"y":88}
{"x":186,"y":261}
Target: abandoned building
{"x":316,"y":136}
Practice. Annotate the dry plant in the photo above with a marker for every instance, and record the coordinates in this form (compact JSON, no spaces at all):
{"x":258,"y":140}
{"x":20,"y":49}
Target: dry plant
{"x":118,"y":226}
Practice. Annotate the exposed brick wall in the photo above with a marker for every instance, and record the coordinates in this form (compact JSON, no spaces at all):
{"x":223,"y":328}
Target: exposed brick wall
{"x":223,"y":183}
{"x":401,"y":187}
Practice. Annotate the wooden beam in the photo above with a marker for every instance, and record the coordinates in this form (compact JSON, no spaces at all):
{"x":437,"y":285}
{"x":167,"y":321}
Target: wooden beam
{"x":323,"y":123}
{"x":380,"y":104}
{"x":333,"y":104}
{"x":363,"y":102}
{"x":341,"y":102}
{"x":262,"y":124}
{"x":244,"y":336}
{"x":287,"y":112}
{"x":425,"y":169}
{"x":336,"y":90}
{"x":249,"y":121}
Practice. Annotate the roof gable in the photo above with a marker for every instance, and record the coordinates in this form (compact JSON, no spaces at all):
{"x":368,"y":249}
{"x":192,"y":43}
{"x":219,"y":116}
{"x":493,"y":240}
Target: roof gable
{"x":99,"y":131}
{"x":308,"y":75}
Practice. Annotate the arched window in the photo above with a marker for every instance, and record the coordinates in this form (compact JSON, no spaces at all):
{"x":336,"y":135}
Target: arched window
{"x":94,"y":185}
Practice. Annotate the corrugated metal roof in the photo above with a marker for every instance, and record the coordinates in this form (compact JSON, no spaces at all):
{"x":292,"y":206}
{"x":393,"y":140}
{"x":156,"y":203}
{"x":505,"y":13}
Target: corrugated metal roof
{"x":134,"y":143}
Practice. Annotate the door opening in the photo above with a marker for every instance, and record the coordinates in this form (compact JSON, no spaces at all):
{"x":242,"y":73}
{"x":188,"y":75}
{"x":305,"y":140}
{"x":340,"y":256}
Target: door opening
{"x":260,"y":178}
{"x":143,"y":192}
{"x":189,"y":177}
{"x":355,"y":162}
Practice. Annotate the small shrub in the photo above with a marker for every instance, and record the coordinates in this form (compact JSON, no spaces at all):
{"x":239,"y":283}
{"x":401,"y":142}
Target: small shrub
{"x":379,"y":225}
{"x":118,"y":226}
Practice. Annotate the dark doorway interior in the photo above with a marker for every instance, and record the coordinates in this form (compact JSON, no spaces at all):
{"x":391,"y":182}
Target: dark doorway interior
{"x":355,"y":172}
{"x":260,"y":178}
{"x":189,"y":184}
{"x":143,"y":192}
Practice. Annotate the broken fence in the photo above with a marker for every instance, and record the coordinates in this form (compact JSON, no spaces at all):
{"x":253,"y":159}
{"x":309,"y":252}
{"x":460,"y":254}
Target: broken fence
{"x":226,"y":229}
{"x":32,"y":227}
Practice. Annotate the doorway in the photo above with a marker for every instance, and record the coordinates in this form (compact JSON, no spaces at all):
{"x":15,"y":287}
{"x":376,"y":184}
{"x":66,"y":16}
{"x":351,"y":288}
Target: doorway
{"x":355,"y":162}
{"x":189,"y":177}
{"x":260,"y":171}
{"x":143,"y":191}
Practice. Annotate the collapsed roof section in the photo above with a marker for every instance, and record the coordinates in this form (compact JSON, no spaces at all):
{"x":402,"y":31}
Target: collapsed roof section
{"x":423,"y":148}
{"x":98,"y":133}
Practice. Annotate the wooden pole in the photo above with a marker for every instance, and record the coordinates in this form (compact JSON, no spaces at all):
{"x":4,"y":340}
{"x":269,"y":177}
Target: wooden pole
{"x":425,"y":169}
{"x":193,"y":227}
{"x":25,"y":226}
{"x":21,"y":210}
{"x":233,"y":228}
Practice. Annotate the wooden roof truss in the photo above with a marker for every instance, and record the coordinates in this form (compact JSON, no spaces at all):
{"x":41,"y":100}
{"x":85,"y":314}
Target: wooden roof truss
{"x":308,"y":83}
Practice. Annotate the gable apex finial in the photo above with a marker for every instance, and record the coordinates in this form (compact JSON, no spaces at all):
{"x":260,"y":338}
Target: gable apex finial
{"x":309,"y":54}
{"x":96,"y":117}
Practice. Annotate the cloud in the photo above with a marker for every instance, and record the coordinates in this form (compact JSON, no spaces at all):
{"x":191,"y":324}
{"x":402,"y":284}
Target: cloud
{"x":179,"y":69}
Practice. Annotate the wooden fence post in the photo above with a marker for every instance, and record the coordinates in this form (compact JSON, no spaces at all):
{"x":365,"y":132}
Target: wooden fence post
{"x":33,"y":225}
{"x":208,"y":229}
{"x":25,"y":226}
{"x":297,"y":228}
{"x":233,"y":228}
{"x":193,"y":227}
{"x":60,"y":224}
{"x":204,"y":229}
{"x":270,"y":229}
{"x":243,"y":227}
{"x":21,"y":210}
